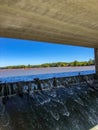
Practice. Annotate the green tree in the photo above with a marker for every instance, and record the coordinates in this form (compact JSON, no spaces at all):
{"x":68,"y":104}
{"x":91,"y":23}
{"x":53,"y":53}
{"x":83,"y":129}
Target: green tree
{"x":75,"y":63}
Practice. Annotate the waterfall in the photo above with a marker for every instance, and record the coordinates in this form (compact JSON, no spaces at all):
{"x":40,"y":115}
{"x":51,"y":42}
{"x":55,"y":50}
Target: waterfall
{"x":72,"y":104}
{"x":4,"y":117}
{"x":2,"y":90}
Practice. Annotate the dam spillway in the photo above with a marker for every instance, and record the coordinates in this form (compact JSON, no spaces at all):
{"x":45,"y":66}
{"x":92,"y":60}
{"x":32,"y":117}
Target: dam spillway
{"x":70,"y":105}
{"x":12,"y":87}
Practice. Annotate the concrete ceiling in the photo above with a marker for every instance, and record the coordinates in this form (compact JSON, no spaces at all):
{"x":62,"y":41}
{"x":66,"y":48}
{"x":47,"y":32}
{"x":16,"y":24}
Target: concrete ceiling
{"x":72,"y":22}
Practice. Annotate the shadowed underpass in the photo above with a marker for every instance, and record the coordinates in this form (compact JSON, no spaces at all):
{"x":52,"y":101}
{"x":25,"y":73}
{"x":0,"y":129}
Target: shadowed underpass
{"x":69,"y":104}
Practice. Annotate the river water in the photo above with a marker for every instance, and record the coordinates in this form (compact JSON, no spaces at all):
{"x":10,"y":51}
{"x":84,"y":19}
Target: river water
{"x":14,"y":75}
{"x":71,"y":107}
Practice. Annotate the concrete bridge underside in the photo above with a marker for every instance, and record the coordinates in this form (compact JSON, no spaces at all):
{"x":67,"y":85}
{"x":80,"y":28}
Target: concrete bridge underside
{"x":73,"y":22}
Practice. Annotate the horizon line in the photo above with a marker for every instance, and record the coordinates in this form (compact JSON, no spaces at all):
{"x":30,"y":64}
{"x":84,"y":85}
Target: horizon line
{"x":46,"y":63}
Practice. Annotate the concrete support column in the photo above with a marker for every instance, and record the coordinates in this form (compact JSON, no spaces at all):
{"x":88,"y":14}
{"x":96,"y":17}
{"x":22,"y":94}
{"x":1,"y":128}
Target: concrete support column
{"x":96,"y":60}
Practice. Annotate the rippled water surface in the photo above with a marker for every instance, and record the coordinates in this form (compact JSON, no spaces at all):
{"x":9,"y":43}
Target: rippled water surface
{"x":63,"y":108}
{"x":12,"y":75}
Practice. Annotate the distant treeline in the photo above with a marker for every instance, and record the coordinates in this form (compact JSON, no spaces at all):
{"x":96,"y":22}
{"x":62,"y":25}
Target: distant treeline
{"x":57,"y":64}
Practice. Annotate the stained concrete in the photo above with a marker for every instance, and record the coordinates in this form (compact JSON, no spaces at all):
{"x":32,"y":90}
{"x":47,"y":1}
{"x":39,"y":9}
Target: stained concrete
{"x":72,"y":22}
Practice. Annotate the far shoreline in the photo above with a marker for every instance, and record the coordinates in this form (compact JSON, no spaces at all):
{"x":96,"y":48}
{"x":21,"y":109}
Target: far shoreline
{"x":47,"y":67}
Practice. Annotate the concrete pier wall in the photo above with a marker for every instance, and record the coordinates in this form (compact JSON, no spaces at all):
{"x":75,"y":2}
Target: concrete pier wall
{"x":96,"y":60}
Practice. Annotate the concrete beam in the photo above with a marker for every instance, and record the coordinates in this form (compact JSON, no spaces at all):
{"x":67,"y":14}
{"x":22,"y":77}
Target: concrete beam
{"x":96,"y":60}
{"x":73,"y":22}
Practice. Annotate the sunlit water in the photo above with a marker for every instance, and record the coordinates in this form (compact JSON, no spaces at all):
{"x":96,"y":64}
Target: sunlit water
{"x":72,"y":107}
{"x":12,"y":75}
{"x":67,"y":107}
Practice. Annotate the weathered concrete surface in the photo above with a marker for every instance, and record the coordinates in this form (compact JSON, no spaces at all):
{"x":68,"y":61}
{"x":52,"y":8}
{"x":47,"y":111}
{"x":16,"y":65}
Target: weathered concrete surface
{"x":72,"y":22}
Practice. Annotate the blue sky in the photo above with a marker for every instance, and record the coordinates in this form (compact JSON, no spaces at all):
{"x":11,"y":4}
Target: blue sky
{"x":19,"y":52}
